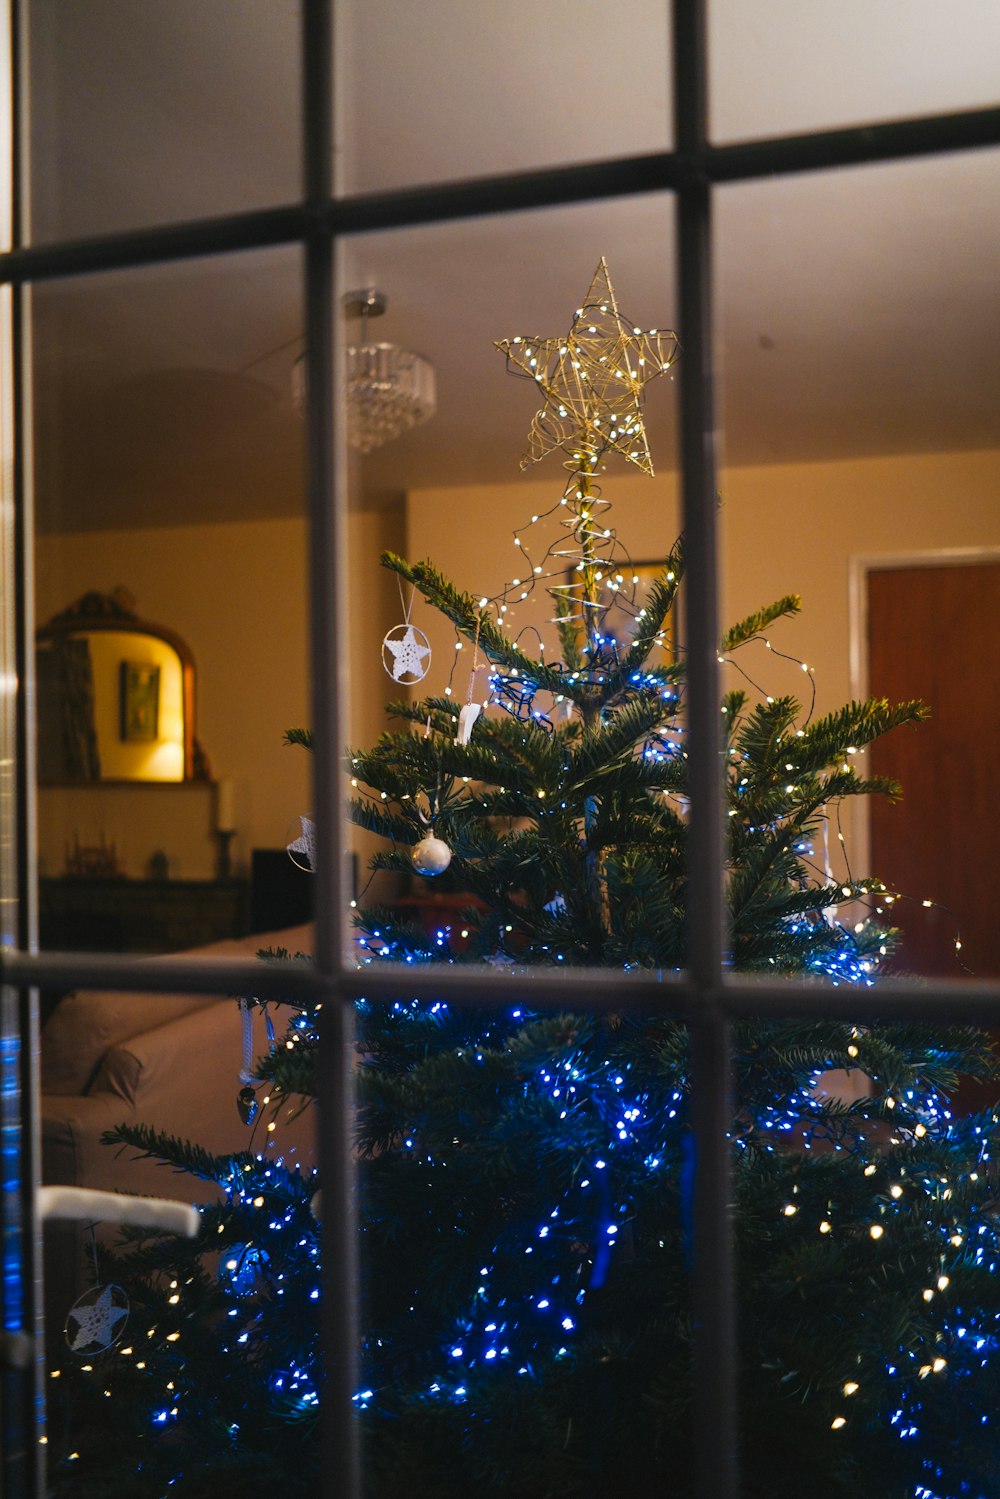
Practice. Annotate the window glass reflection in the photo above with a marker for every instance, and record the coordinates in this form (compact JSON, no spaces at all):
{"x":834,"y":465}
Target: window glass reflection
{"x":170,"y":591}
{"x":527,"y":617}
{"x":780,"y":67}
{"x":449,"y":91}
{"x":150,"y":114}
{"x":859,"y":375}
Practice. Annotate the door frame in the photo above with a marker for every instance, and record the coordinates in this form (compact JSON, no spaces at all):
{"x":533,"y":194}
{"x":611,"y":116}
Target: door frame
{"x":859,"y":567}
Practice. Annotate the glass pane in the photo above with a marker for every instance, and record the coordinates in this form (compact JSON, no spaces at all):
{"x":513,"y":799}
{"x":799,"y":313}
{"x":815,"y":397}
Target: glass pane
{"x":563,"y":534}
{"x":865,"y":1262}
{"x":144,"y":114}
{"x":169,"y":463}
{"x":170,"y":597}
{"x":861,"y":380}
{"x":857,"y":338}
{"x":537,"y":1328}
{"x":445,"y":92}
{"x":539,"y":1324}
{"x":781,"y":67}
{"x":157,"y":1343}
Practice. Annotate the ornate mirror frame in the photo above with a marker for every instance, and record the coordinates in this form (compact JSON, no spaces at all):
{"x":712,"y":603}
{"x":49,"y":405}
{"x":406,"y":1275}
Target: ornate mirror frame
{"x":94,"y":613}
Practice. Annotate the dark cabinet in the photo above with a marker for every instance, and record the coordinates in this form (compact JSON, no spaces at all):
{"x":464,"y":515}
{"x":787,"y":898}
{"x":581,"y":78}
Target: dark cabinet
{"x":150,"y":916}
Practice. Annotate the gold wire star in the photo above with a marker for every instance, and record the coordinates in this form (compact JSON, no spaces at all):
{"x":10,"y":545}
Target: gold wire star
{"x":592,"y":381}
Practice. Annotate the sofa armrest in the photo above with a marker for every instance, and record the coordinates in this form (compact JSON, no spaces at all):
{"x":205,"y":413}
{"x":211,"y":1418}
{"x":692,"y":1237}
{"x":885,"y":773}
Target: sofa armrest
{"x":180,"y":1079}
{"x":73,"y":1155}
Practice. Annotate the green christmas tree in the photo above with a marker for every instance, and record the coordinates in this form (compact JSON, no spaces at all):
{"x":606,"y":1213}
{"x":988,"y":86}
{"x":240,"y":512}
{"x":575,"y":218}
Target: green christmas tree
{"x":525,"y":1178}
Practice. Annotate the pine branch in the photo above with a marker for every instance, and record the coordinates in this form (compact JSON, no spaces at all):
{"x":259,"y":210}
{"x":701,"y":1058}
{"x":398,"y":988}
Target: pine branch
{"x":616,"y":738}
{"x":568,"y":630}
{"x":658,"y":604}
{"x":375,"y":817}
{"x":754,"y":623}
{"x":851,"y":727}
{"x":180,"y":1155}
{"x":465,"y":614}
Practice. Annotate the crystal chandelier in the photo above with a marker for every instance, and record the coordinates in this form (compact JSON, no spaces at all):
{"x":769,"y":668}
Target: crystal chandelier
{"x":386,"y":390}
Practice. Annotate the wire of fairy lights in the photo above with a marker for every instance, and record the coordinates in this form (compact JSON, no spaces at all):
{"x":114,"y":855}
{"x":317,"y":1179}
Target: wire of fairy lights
{"x":592,"y":384}
{"x":591,"y":381}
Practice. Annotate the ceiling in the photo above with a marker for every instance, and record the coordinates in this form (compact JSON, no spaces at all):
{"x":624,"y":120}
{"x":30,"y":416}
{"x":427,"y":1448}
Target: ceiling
{"x":857,"y":310}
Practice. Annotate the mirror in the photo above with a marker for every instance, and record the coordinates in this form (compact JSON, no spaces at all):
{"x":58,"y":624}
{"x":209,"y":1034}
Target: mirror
{"x":115,"y":698}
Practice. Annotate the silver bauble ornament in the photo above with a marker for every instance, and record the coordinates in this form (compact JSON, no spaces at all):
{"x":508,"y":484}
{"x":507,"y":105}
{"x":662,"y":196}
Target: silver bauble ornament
{"x":431,"y":855}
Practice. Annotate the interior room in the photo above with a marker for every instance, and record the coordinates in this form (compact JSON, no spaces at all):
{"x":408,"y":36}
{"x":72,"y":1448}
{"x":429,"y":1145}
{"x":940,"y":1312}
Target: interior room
{"x":856,"y":350}
{"x":856,"y":364}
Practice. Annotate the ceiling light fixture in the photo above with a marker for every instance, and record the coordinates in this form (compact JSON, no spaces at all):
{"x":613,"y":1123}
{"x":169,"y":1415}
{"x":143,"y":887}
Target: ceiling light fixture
{"x":387,"y":391}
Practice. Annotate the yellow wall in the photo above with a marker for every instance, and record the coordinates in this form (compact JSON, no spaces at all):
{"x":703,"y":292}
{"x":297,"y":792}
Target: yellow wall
{"x":237,"y":593}
{"x":785,"y":529}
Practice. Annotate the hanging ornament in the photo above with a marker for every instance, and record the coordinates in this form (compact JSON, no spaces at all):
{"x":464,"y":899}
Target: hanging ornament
{"x":246,"y":1099}
{"x":406,"y":651}
{"x":431,"y":855}
{"x":304,"y":845}
{"x":466,"y":719}
{"x":471,"y":711}
{"x":246,"y":1105}
{"x":97,"y":1320}
{"x":244,"y":1265}
{"x":406,"y":654}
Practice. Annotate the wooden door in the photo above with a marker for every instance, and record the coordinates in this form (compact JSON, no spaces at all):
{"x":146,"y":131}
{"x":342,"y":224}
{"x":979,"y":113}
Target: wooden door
{"x":934,"y":633}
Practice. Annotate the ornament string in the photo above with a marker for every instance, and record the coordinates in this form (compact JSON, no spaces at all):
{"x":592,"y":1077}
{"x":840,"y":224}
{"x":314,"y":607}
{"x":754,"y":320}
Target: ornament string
{"x":245,"y":1075}
{"x":407,"y":608}
{"x":406,"y":651}
{"x":246,"y":1100}
{"x":471,"y":711}
{"x":475,"y":661}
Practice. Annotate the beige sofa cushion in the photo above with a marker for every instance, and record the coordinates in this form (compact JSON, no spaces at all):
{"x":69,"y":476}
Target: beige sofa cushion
{"x":86,"y":1025}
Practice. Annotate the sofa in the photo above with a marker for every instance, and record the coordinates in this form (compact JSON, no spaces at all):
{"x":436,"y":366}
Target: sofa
{"x":170,"y":1061}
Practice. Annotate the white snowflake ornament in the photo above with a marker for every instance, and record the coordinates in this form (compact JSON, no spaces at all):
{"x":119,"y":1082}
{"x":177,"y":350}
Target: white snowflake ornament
{"x":406,"y":654}
{"x":97,"y":1320}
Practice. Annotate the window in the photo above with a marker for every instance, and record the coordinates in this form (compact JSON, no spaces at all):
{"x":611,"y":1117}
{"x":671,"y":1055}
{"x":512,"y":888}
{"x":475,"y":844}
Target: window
{"x":214,"y":216}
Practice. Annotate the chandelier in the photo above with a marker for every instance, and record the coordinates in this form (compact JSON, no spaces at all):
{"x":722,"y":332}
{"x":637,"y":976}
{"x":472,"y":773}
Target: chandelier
{"x":386,"y":390}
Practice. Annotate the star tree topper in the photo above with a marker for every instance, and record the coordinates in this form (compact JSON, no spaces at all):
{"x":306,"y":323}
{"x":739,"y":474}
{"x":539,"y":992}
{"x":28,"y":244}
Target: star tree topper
{"x":592,"y":380}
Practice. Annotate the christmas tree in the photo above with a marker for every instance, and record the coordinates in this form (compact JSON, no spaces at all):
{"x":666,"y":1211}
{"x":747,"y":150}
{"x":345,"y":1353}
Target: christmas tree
{"x":524,"y":1178}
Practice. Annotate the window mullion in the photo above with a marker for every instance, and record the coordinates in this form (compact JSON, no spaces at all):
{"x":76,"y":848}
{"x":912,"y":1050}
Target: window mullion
{"x":327,"y":565}
{"x":712,"y":1283}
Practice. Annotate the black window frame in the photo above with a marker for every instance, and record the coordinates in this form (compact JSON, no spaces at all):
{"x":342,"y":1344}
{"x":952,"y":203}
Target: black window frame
{"x":706,"y":996}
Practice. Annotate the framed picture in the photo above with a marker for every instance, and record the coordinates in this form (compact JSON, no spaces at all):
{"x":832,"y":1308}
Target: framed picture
{"x":619,"y":618}
{"x":139,"y":701}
